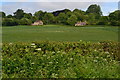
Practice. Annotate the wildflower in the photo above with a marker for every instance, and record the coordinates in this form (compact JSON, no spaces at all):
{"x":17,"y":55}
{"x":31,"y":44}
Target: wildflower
{"x":58,"y":51}
{"x":71,"y":58}
{"x":38,"y":49}
{"x":95,"y":50}
{"x":97,"y":57}
{"x":44,"y":55}
{"x":107,"y":52}
{"x":53,"y":52}
{"x":80,"y":40}
{"x":10,"y":43}
{"x":50,"y":62}
{"x":33,"y":44}
{"x":95,"y":60}
{"x":33,"y":63}
{"x":64,"y":52}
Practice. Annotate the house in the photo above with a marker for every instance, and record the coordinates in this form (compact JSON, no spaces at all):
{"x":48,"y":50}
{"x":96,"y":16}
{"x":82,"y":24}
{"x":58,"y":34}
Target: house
{"x":39,"y":22}
{"x":80,"y":23}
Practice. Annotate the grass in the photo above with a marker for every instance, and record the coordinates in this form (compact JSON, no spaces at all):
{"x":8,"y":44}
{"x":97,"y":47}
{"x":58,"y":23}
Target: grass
{"x":58,"y":33}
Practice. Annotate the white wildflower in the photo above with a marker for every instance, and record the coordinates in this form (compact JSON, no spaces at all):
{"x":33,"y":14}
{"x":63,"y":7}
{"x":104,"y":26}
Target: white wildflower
{"x":80,"y":40}
{"x":95,"y":50}
{"x":38,"y":49}
{"x":58,"y":51}
{"x":95,"y":60}
{"x":32,"y":63}
{"x":10,"y":43}
{"x":107,"y":52}
{"x":33,"y":44}
{"x":50,"y":62}
{"x":53,"y":52}
{"x":44,"y":55}
{"x":71,"y":58}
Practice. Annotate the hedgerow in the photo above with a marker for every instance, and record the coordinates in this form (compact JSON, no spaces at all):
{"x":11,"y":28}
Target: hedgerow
{"x":61,"y":60}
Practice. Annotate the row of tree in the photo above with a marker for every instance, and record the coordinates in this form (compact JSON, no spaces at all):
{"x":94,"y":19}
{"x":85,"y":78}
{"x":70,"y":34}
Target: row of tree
{"x":93,"y":16}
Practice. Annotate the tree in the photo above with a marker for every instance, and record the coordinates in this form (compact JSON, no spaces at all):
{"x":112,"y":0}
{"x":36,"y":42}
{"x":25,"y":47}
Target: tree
{"x":28,"y":15}
{"x":114,"y":18}
{"x":72,"y":20}
{"x":2,"y":14}
{"x":34,"y":18}
{"x":56,"y":13}
{"x":62,"y":18}
{"x":9,"y":22}
{"x":39,"y":15}
{"x":95,"y":9}
{"x":10,"y":16}
{"x":103,"y":20}
{"x":48,"y":18}
{"x":19,"y":14}
{"x":25,"y":21}
{"x":91,"y":19}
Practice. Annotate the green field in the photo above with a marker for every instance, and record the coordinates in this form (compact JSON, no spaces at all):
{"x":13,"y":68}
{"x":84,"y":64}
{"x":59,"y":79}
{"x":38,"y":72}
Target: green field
{"x":58,"y":33}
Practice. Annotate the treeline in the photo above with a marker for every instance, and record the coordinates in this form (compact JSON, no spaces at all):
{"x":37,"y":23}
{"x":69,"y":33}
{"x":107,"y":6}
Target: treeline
{"x":93,"y":16}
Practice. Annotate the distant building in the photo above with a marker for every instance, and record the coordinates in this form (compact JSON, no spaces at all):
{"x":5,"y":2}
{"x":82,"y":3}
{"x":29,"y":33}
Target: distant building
{"x":38,"y":23}
{"x":81,"y":23}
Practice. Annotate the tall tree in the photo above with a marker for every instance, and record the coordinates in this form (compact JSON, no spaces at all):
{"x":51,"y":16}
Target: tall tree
{"x":62,"y":18}
{"x":114,"y":18}
{"x":28,"y":15}
{"x":19,"y":14}
{"x":10,"y":16}
{"x":48,"y":18}
{"x":39,"y":14}
{"x":95,"y":9}
{"x":2,"y":14}
{"x":72,"y":20}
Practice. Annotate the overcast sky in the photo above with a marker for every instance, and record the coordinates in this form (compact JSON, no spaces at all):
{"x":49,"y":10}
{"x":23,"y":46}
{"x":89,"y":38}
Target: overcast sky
{"x":49,"y":6}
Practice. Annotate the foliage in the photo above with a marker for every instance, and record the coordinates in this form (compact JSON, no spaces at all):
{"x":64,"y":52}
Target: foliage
{"x":39,"y":15}
{"x":28,"y":15}
{"x":95,"y":9}
{"x":9,"y":22}
{"x":25,"y":21}
{"x":104,"y":20}
{"x":2,"y":14}
{"x":60,"y":60}
{"x":93,"y":16}
{"x":62,"y":18}
{"x":48,"y":18}
{"x":10,"y":16}
{"x":115,"y":18}
{"x":72,"y":20}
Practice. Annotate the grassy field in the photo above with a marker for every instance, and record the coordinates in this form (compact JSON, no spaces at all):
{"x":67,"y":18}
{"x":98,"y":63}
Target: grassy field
{"x":58,"y":33}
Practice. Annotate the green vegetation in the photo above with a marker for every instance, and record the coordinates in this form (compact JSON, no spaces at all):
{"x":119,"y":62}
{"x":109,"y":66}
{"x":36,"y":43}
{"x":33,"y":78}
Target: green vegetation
{"x":61,"y":60}
{"x":92,"y":16}
{"x":59,"y":33}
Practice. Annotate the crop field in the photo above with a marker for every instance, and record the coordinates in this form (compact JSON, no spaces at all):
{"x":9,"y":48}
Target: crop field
{"x":59,"y":33}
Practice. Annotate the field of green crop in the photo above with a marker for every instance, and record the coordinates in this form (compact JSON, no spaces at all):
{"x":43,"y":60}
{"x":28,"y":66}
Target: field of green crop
{"x":59,"y":33}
